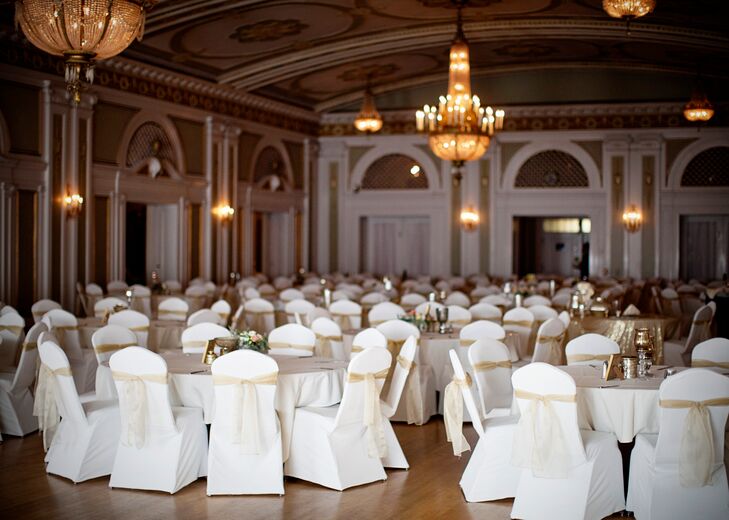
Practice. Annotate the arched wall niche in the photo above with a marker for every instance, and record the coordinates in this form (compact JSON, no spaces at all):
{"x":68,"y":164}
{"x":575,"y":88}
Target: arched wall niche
{"x":565,"y":152}
{"x":261,"y":167}
{"x":394,"y":172}
{"x":687,"y":155}
{"x":149,"y":137}
{"x":429,"y":170}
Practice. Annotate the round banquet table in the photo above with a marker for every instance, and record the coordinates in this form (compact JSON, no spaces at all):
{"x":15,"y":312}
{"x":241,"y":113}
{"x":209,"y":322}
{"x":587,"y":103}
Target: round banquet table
{"x":311,"y":381}
{"x":162,"y":334}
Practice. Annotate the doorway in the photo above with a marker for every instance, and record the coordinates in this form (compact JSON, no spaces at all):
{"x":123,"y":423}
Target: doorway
{"x":552,"y":245}
{"x":163,"y":239}
{"x":392,"y":245}
{"x":704,"y":242}
{"x":273,"y":252}
{"x":136,"y":243}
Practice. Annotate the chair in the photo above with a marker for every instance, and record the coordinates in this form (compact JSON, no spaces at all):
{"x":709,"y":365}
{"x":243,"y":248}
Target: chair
{"x":565,"y":318}
{"x":712,"y":353}
{"x":116,"y":288}
{"x":64,"y":327}
{"x":107,"y":341}
{"x":382,"y":312}
{"x":680,"y":472}
{"x":39,"y":308}
{"x":172,"y":309}
{"x":561,"y":301}
{"x":485,"y":311}
{"x":318,"y":312}
{"x":8,"y":309}
{"x":481,"y":329}
{"x":299,"y":307}
{"x":259,"y":315}
{"x":196,"y":297}
{"x":281,"y":283}
{"x":288,"y":295}
{"x":670,"y":302}
{"x":430,"y":307}
{"x":542,"y":313}
{"x":521,"y":321}
{"x":223,"y":308}
{"x":93,"y":293}
{"x":267,"y":291}
{"x":195,"y":338}
{"x":161,"y":447}
{"x":489,"y":474}
{"x":567,"y":473}
{"x":204,"y":316}
{"x":135,"y":321}
{"x":411,"y":300}
{"x":491,"y":367}
{"x":141,"y":299}
{"x":173,"y":286}
{"x":548,"y":346}
{"x":329,"y":341}
{"x":347,"y":314}
{"x":105,"y":305}
{"x":536,"y":299}
{"x":500,"y":300}
{"x":679,"y":354}
{"x":458,"y":298}
{"x":12,"y":329}
{"x":590,"y":349}
{"x":245,"y":459}
{"x":196,"y":281}
{"x":292,"y":339}
{"x":341,"y":446}
{"x":373,"y":298}
{"x":16,"y":400}
{"x":250,"y":293}
{"x":458,"y":316}
{"x":367,"y":338}
{"x":84,"y":443}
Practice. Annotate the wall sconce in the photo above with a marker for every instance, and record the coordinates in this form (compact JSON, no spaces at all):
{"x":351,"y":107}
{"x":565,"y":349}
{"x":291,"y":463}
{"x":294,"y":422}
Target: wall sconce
{"x":632,"y":219}
{"x":469,"y":218}
{"x":74,"y":204}
{"x":225,"y":213}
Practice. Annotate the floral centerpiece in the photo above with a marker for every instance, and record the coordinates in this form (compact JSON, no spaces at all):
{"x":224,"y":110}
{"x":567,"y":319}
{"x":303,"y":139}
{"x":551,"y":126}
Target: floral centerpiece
{"x":251,"y":340}
{"x":416,"y":319}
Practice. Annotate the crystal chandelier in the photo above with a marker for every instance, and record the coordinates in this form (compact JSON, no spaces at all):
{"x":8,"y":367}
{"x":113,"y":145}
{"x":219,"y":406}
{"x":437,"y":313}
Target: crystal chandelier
{"x":81,"y":31}
{"x":368,"y":120}
{"x":698,"y":109}
{"x":628,"y":9}
{"x":459,"y":128}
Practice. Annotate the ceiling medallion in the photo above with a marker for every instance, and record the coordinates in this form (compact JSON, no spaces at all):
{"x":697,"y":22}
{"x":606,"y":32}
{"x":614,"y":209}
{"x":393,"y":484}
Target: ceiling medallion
{"x":459,"y":128}
{"x":81,"y":31}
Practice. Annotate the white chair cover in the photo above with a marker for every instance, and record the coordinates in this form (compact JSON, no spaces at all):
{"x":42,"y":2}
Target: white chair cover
{"x":39,"y":308}
{"x":12,"y":331}
{"x":172,"y":309}
{"x":299,"y":307}
{"x":521,"y":321}
{"x":195,"y":338}
{"x":411,"y":300}
{"x":485,"y":311}
{"x":259,"y":315}
{"x":292,"y":339}
{"x":204,"y":316}
{"x":679,"y":354}
{"x":590,"y":349}
{"x":430,"y":307}
{"x":383,"y":312}
{"x":712,"y":353}
{"x":106,"y":305}
{"x":196,"y":297}
{"x":141,"y":299}
{"x":550,"y":338}
{"x":288,"y":295}
{"x":106,"y":342}
{"x":458,"y":298}
{"x":458,"y":316}
{"x":367,"y":338}
{"x":329,"y":341}
{"x":491,"y":366}
{"x":64,"y":327}
{"x":135,"y":321}
{"x":223,"y":308}
{"x":116,"y":288}
{"x":347,"y":314}
{"x":531,"y":301}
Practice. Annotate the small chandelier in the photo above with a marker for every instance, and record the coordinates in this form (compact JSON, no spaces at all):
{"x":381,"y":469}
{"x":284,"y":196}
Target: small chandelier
{"x":698,"y":109}
{"x":459,"y":128}
{"x":632,"y":219}
{"x":628,"y":9}
{"x":368,"y":120}
{"x":470,"y":218}
{"x":81,"y":31}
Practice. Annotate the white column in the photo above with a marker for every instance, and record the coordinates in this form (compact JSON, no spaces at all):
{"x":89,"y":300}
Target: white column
{"x":470,"y":190}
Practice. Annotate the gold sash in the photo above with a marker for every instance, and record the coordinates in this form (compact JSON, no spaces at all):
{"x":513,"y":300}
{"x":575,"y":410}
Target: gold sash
{"x":579,"y":358}
{"x":453,"y":414}
{"x":553,"y":344}
{"x":161,"y":313}
{"x":696,"y":457}
{"x":297,"y":346}
{"x":45,"y":406}
{"x":460,"y":323}
{"x":140,"y":328}
{"x":134,"y":404}
{"x":413,"y":394}
{"x":13,"y":329}
{"x":111,"y":347}
{"x":27,"y":347}
{"x":484,"y":366}
{"x":376,"y":323}
{"x":194,"y":344}
{"x":357,"y":348}
{"x":257,"y":320}
{"x":244,"y":424}
{"x":517,"y":323}
{"x":372,"y":416}
{"x":324,"y":344}
{"x":224,"y":316}
{"x":705,"y":363}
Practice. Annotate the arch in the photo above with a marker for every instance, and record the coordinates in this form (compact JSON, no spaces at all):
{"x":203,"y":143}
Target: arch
{"x":268,"y":142}
{"x":551,"y":169}
{"x":388,"y":147}
{"x":269,"y":166}
{"x":686,"y":155}
{"x":177,"y":169}
{"x":528,"y":151}
{"x":393,"y":172}
{"x":708,"y":168}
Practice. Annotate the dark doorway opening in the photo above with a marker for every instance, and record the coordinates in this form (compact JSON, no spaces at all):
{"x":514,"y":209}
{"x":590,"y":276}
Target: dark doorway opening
{"x":136,"y":243}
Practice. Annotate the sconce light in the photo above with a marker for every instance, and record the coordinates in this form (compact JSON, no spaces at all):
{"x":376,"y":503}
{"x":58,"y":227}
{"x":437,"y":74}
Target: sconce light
{"x":74,"y":204}
{"x":469,"y":218}
{"x":225,"y":213}
{"x":632,"y":219}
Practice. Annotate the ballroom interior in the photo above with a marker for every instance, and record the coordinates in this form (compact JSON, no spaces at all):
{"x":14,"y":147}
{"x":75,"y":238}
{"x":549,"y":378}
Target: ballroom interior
{"x":444,"y":165}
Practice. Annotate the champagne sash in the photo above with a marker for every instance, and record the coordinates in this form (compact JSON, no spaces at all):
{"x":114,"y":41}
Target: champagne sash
{"x":343,"y":320}
{"x":356,"y":349}
{"x":165,"y":314}
{"x":45,"y":406}
{"x":324,"y":345}
{"x":553,"y":346}
{"x":16,"y":330}
{"x":257,"y":320}
{"x":696,"y":456}
{"x":539,"y":443}
{"x":485,"y":366}
{"x":413,"y":395}
{"x":376,"y":323}
{"x":194,"y":344}
{"x":224,"y":316}
{"x":372,"y":418}
{"x":705,"y":363}
{"x":134,"y":404}
{"x":244,"y":424}
{"x":581,"y":358}
{"x":140,"y":328}
{"x":277,"y":345}
{"x":518,"y":323}
{"x":453,"y":414}
{"x":111,"y":347}
{"x":27,"y":346}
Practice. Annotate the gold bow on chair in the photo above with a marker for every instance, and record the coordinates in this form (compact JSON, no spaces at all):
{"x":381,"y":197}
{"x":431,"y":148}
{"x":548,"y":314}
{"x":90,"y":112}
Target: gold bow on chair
{"x":324,"y":345}
{"x":16,"y":330}
{"x":413,"y":393}
{"x":453,"y":414}
{"x":553,"y":343}
{"x":485,"y":366}
{"x":161,"y":313}
{"x":45,"y":406}
{"x":275,"y":345}
{"x":696,"y":456}
{"x":244,"y":424}
{"x":372,"y":418}
{"x":705,"y":363}
{"x":134,"y":404}
{"x":111,"y":347}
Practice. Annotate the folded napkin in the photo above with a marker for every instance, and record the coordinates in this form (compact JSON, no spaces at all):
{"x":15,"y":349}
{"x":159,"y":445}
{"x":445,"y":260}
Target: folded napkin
{"x":631,"y":310}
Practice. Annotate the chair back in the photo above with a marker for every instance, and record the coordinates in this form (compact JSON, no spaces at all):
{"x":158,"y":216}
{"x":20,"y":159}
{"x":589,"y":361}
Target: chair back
{"x":64,"y":326}
{"x":93,"y":289}
{"x":173,"y":309}
{"x":116,"y":288}
{"x":25,"y":373}
{"x":173,"y":286}
{"x":430,"y":307}
{"x":267,"y":291}
{"x":135,"y":321}
{"x":411,"y":300}
{"x":67,"y":400}
{"x":204,"y":316}
{"x":195,"y":338}
{"x":700,"y":330}
{"x":397,"y":332}
{"x":196,"y":297}
{"x":288,"y":295}
{"x":12,"y":328}
{"x":250,"y":293}
{"x":373,"y":298}
{"x":347,"y":314}
{"x":368,"y":338}
{"x":370,"y":361}
{"x":531,"y":301}
{"x":282,"y":283}
{"x":481,"y":330}
{"x":259,"y":315}
{"x":670,"y":302}
{"x":39,"y":308}
{"x":403,"y":365}
{"x":292,"y":339}
{"x":223,"y":308}
{"x":466,"y":392}
{"x":491,"y":367}
{"x":107,"y":304}
{"x":141,"y":299}
{"x":329,"y":341}
{"x":590,"y":349}
{"x":521,"y":321}
{"x":485,"y":311}
{"x":543,"y":313}
{"x":300,"y":307}
{"x":712,"y":353}
{"x":111,"y":339}
{"x":565,"y":318}
{"x":382,"y":312}
{"x":497,"y":299}
{"x":458,"y":298}
{"x":548,"y":346}
{"x":561,"y":301}
{"x":458,"y":316}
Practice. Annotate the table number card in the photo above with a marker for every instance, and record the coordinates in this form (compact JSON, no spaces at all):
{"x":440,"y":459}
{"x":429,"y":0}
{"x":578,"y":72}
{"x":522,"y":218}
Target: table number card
{"x":613,"y":369}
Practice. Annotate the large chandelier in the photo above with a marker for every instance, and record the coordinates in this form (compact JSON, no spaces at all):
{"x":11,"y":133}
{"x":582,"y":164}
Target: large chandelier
{"x":459,"y":127}
{"x":628,"y":9}
{"x":368,"y":120}
{"x":82,"y":31}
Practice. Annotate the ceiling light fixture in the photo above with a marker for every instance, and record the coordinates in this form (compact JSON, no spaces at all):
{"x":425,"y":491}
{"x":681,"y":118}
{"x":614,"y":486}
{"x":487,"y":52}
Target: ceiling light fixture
{"x":628,"y":10}
{"x":699,"y":109}
{"x":368,"y":120}
{"x":632,"y":218}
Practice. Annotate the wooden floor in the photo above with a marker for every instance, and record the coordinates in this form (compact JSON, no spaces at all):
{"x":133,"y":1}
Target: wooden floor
{"x":428,"y":490}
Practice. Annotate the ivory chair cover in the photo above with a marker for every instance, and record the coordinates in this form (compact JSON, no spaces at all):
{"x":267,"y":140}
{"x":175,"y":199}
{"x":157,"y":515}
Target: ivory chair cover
{"x":292,"y":339}
{"x":259,"y":315}
{"x":8,"y":309}
{"x":531,"y":301}
{"x":383,"y":312}
{"x":106,"y":342}
{"x":561,"y":301}
{"x":93,"y":293}
{"x":329,"y":341}
{"x":550,"y":339}
{"x":160,"y":447}
{"x":372,"y":298}
{"x":288,"y":295}
{"x":712,"y":353}
{"x":670,"y":303}
{"x":245,"y":456}
{"x":458,"y":316}
{"x":430,"y":307}
{"x":141,"y":299}
{"x":421,"y":381}
{"x":458,"y":298}
{"x":312,"y":292}
{"x":542,"y":313}
{"x":173,"y":286}
{"x":485,"y":311}
{"x":211,"y":290}
{"x":135,"y":321}
{"x":521,"y":321}
{"x":173,"y":309}
{"x":483,"y":329}
{"x":479,"y":292}
{"x":300,"y":307}
{"x":343,"y":294}
{"x":491,"y":367}
{"x":680,"y":472}
{"x":204,"y":316}
{"x":347,"y":314}
{"x":39,"y":308}
{"x":679,"y":354}
{"x":442,"y":285}
{"x":411,"y":300}
{"x":223,"y":308}
{"x":12,"y":331}
{"x":424,"y":288}
{"x":116,"y":288}
{"x":251,"y":293}
{"x":196,"y":297}
{"x":568,"y":473}
{"x":565,"y":318}
{"x":196,"y":281}
{"x":489,"y":474}
{"x":195,"y":338}
{"x":498,"y":299}
{"x":16,"y":400}
{"x":64,"y":327}
{"x":85,"y":440}
{"x":367,"y":338}
{"x":318,"y":312}
{"x":282,"y":283}
{"x":105,"y":305}
{"x":590,"y":349}
{"x":341,"y":446}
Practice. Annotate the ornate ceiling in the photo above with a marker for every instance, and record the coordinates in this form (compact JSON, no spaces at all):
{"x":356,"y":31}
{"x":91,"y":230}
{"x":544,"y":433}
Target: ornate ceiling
{"x":318,"y":53}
